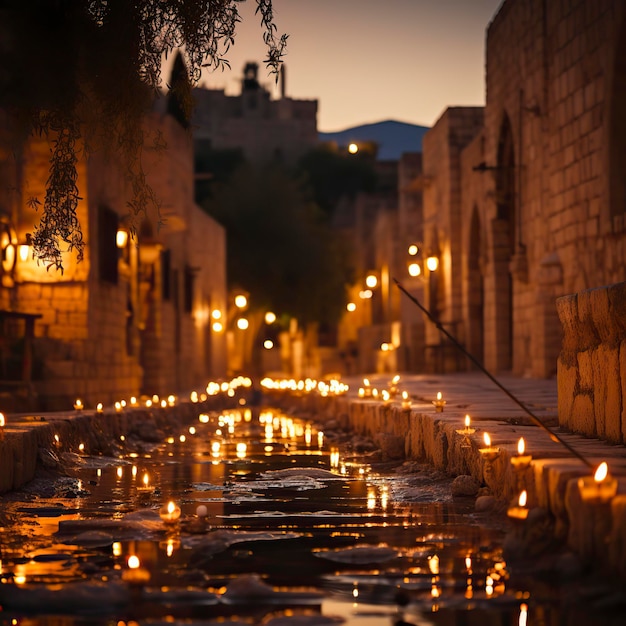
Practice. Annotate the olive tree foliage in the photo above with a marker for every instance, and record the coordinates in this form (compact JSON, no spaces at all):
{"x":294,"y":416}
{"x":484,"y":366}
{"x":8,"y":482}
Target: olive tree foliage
{"x":82,"y":73}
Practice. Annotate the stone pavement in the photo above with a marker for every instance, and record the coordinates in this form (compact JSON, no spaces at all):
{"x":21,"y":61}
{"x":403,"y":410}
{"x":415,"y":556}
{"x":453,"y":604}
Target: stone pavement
{"x":596,"y":531}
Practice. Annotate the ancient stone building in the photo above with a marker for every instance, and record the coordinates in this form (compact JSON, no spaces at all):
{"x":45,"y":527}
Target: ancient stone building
{"x":262,"y":128}
{"x":542,"y":193}
{"x":132,"y":317}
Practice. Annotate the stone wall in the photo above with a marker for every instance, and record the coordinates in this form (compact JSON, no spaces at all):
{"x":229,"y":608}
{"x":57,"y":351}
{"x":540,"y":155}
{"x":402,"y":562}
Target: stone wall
{"x":592,"y":363}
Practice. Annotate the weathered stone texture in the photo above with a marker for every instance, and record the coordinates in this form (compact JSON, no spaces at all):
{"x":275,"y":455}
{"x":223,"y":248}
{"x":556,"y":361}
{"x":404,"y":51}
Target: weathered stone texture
{"x":591,"y":372}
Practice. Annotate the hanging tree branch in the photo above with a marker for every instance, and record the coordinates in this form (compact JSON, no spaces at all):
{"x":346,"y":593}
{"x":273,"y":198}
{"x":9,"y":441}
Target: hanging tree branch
{"x":82,"y":73}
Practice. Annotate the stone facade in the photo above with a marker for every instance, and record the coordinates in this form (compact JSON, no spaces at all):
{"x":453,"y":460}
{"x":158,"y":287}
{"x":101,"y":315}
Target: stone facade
{"x":539,"y":185}
{"x":263,"y":129}
{"x":592,"y":363}
{"x":123,"y":321}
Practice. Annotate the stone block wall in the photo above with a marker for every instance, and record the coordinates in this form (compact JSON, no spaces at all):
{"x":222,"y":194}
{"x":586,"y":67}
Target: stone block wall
{"x":592,"y":364}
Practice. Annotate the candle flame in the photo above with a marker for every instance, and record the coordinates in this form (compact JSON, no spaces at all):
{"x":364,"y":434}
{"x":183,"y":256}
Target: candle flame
{"x":487,"y":439}
{"x":171,"y":507}
{"x":133,"y":561}
{"x":523,"y":497}
{"x":146,"y":479}
{"x":602,"y":472}
{"x":366,"y":382}
{"x":521,"y":446}
{"x":405,"y":395}
{"x":467,"y":421}
{"x":2,"y":420}
{"x":439,"y":396}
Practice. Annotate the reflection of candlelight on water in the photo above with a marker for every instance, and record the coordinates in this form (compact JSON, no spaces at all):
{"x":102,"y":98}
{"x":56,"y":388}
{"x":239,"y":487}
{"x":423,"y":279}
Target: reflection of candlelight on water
{"x":439,"y":402}
{"x":169,"y":512}
{"x":135,"y":574}
{"x":521,"y":461}
{"x":489,"y":586}
{"x":433,"y":564}
{"x":523,"y":615}
{"x":600,"y":488}
{"x":520,"y":511}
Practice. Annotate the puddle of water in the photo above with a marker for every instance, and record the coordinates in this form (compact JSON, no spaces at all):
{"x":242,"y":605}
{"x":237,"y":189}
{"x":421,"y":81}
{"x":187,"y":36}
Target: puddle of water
{"x":291,"y":530}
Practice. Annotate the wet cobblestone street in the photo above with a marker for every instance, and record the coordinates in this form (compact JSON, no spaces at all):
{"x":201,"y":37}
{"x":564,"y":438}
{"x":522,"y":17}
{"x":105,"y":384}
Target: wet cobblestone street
{"x":279,"y":524}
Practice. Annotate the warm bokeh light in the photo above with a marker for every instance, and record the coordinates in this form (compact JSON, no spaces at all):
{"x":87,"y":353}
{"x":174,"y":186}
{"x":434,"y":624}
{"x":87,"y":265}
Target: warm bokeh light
{"x":414,"y":269}
{"x":216,"y":314}
{"x":371,"y":281}
{"x":353,"y":148}
{"x":413,"y":249}
{"x":432,"y":263}
{"x":602,"y":472}
{"x":351,"y":307}
{"x":268,"y":344}
{"x":242,"y":323}
{"x":241,"y":301}
{"x":270,"y":317}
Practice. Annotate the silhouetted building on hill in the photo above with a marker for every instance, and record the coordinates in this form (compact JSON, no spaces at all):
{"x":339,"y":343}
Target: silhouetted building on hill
{"x":262,"y":128}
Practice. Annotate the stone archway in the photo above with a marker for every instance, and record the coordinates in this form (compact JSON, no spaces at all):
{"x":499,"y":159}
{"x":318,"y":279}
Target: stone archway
{"x":503,"y":237}
{"x":475,"y":294}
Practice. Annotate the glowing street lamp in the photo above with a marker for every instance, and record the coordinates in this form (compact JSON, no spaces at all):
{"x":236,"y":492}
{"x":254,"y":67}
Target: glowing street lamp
{"x":371,"y":281}
{"x":414,"y":269}
{"x":432,"y":262}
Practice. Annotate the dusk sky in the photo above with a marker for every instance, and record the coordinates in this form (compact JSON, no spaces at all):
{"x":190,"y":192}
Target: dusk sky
{"x":371,"y":60}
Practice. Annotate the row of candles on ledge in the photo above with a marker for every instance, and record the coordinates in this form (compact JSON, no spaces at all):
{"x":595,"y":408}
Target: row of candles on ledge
{"x":212,"y":389}
{"x":599,"y":488}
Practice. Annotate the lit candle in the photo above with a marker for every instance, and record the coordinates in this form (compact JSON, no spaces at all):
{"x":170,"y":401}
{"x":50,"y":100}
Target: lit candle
{"x":521,"y":461}
{"x":600,"y":488}
{"x":78,"y":405}
{"x":99,"y":407}
{"x":367,"y":390}
{"x":406,"y":400}
{"x":520,"y":511}
{"x":467,"y":431}
{"x":118,"y":407}
{"x":489,"y":452}
{"x":2,"y":423}
{"x":439,"y":402}
{"x":169,"y":512}
{"x":386,"y":396}
{"x":145,"y":484}
{"x":393,"y":385}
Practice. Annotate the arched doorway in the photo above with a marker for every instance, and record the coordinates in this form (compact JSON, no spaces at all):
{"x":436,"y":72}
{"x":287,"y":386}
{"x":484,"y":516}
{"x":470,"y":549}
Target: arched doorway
{"x":475,"y":296}
{"x":504,"y":246}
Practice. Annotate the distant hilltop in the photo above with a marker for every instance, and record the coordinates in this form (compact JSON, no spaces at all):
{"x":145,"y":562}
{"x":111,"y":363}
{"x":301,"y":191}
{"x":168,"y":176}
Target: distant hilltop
{"x":393,"y":138}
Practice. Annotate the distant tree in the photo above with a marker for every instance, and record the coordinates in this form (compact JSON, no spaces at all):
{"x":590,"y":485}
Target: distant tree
{"x":332,"y":175}
{"x":280,"y":246}
{"x":83,"y":72}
